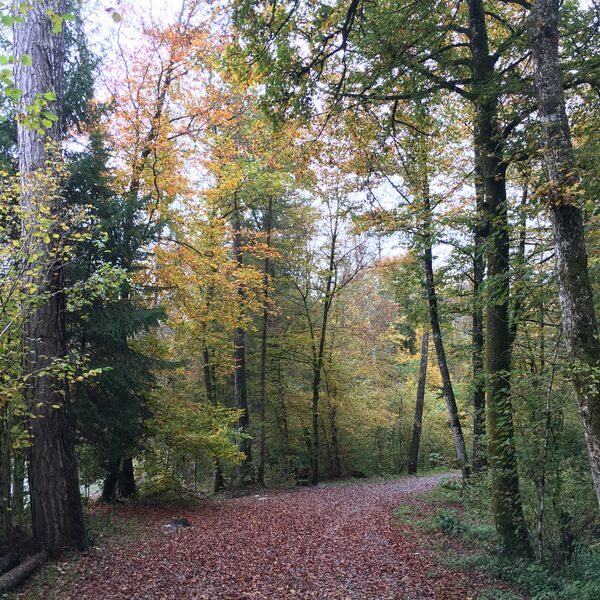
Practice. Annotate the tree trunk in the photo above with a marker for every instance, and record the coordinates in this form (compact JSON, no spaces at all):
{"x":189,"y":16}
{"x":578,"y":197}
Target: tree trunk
{"x":126,"y":482}
{"x":334,"y":448}
{"x":519,"y":264}
{"x":336,"y":465}
{"x":457,"y":433}
{"x":211,"y":396}
{"x":508,"y":511}
{"x":120,"y":481}
{"x":262,"y":397}
{"x":20,"y":573}
{"x":8,"y":562}
{"x":218,"y":482}
{"x":283,"y":418}
{"x":319,"y":355}
{"x":207,"y":375}
{"x":413,"y":454}
{"x":5,"y":476}
{"x":239,"y":358}
{"x":54,"y":488}
{"x":579,"y":322}
{"x":479,"y":453}
{"x":18,"y":495}
{"x":315,"y":441}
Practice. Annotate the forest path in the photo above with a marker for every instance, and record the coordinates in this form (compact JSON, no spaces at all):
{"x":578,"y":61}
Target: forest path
{"x":329,"y":542}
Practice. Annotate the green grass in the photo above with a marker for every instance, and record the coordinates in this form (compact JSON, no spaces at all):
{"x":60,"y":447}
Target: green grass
{"x":454,"y":512}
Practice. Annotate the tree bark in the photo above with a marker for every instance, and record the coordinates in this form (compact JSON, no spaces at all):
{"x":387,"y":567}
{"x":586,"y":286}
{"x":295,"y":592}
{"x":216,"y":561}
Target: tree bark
{"x":331,"y":391}
{"x":239,"y":357}
{"x":319,"y":354}
{"x":5,"y":476}
{"x":54,"y":488}
{"x":479,"y":454}
{"x":218,"y":481}
{"x":20,"y":573}
{"x":507,"y":507}
{"x":8,"y":562}
{"x":262,"y":396}
{"x":455,"y":426}
{"x":413,"y":454}
{"x":336,"y":463}
{"x":120,"y":481}
{"x":211,"y":396}
{"x":519,"y":263}
{"x":207,"y":375}
{"x":579,"y":323}
{"x":18,"y":490}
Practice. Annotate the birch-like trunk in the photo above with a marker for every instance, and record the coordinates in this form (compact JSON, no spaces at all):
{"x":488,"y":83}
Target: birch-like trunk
{"x":579,"y":322}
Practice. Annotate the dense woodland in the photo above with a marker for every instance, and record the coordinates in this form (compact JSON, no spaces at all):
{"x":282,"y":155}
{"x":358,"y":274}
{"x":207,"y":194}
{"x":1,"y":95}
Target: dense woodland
{"x":253,"y":243}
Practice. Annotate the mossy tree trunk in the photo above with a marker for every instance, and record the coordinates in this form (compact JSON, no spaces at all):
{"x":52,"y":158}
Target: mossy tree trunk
{"x":579,"y":322}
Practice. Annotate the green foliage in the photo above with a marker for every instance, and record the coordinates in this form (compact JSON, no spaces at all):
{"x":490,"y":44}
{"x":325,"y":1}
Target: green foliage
{"x":460,"y":515}
{"x":448,"y":522}
{"x":109,"y":310}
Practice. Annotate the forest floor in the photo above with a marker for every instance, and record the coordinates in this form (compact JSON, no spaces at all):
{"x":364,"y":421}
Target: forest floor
{"x":334,"y":541}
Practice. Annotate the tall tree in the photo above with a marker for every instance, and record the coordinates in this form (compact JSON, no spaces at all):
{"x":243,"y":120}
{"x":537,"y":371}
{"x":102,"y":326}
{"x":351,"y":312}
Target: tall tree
{"x":240,"y":386}
{"x":479,"y":456}
{"x":413,"y":453}
{"x":53,"y":482}
{"x":508,"y":510}
{"x":262,"y":394}
{"x":439,"y":48}
{"x":110,"y":408}
{"x":575,"y":293}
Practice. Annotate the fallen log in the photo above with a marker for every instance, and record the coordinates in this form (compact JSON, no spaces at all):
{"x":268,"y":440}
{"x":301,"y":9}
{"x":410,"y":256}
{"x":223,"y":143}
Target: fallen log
{"x":21,"y":572}
{"x":7,"y":562}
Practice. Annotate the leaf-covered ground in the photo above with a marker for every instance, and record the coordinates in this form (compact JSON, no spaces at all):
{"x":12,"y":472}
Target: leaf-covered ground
{"x":329,"y":542}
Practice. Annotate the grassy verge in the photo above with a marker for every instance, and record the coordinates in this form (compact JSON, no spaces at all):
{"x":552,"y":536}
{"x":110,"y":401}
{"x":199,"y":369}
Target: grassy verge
{"x":469,"y":543}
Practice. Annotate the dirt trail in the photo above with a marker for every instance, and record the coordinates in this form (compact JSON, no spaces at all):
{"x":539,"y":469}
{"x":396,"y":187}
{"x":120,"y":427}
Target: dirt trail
{"x":328,"y":542}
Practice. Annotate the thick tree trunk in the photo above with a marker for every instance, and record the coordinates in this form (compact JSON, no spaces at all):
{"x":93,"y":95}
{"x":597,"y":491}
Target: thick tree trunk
{"x":579,"y":322}
{"x":239,"y":358}
{"x":119,"y":482}
{"x":262,"y":396}
{"x":54,"y":488}
{"x":508,"y":511}
{"x":413,"y":454}
{"x":479,"y":451}
{"x":126,"y":482}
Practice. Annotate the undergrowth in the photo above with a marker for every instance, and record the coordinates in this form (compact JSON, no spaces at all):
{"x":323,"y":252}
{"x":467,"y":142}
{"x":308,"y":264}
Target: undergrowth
{"x":453,"y":512}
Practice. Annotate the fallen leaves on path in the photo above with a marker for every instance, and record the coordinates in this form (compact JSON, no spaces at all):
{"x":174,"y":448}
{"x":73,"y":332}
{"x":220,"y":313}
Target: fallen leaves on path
{"x":330,"y":542}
